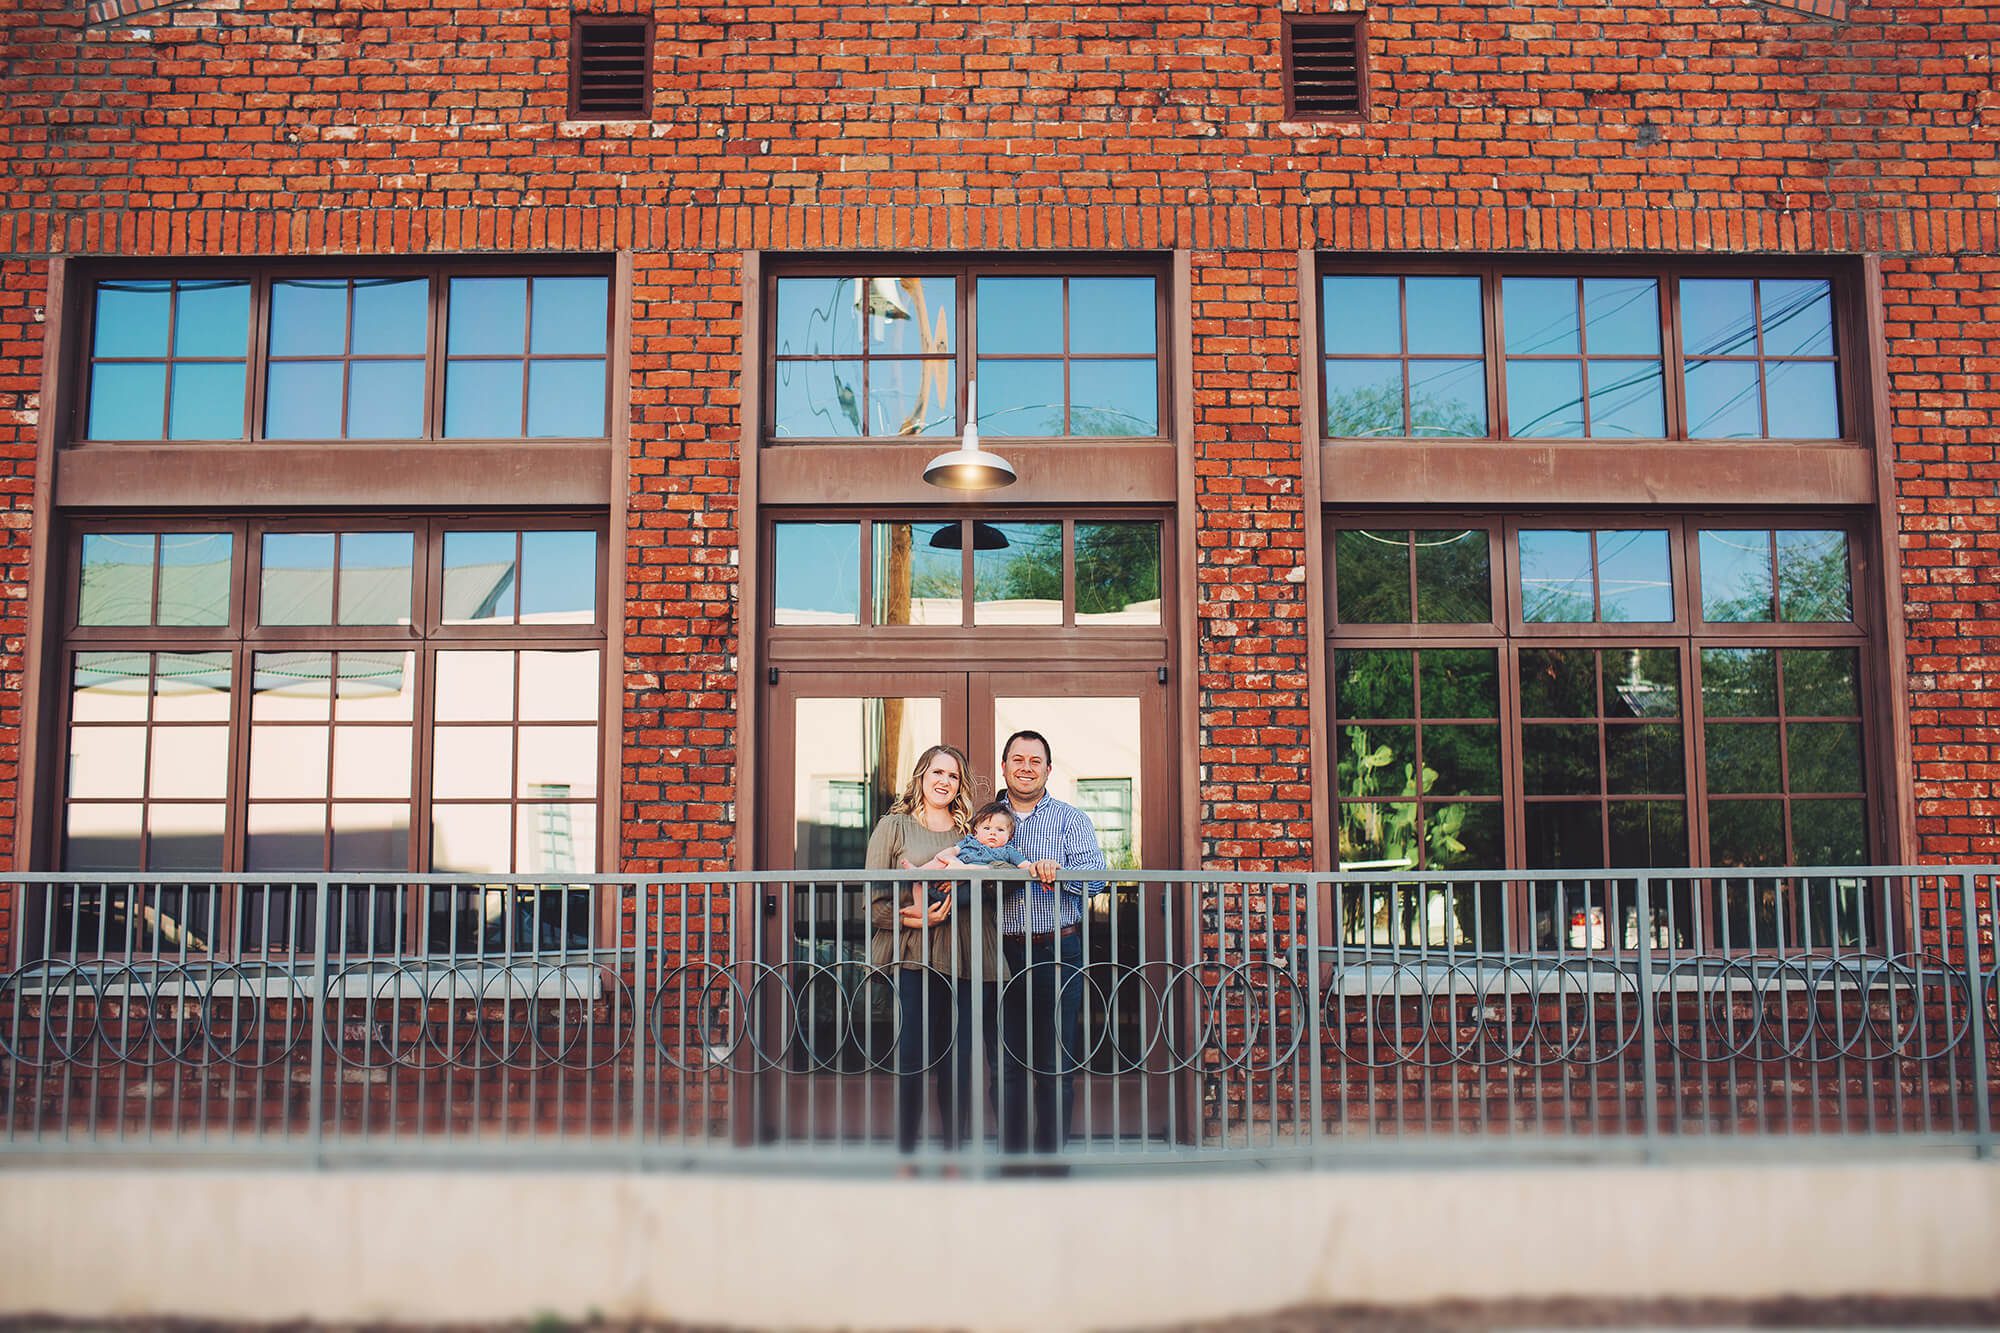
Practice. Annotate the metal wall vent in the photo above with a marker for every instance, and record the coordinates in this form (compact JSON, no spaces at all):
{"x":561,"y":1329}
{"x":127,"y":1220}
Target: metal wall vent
{"x":611,"y":69}
{"x":1326,"y":68}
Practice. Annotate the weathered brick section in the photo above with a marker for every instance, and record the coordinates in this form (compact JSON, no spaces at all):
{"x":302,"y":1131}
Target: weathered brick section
{"x":1943,"y":330}
{"x":21,"y":322}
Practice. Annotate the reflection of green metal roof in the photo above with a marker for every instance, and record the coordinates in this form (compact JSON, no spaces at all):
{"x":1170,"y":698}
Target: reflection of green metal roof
{"x":121,"y":594}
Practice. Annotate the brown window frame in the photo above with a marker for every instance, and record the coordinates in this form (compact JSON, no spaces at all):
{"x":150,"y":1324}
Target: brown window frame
{"x":261,"y":277}
{"x":1687,"y":635}
{"x":241,"y":640}
{"x":965,"y":356}
{"x":1849,"y":333}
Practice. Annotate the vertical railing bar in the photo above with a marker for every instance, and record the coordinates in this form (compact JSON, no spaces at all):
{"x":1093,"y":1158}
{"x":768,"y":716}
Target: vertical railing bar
{"x":1315,"y":1048}
{"x":316,"y":1110}
{"x":1976,"y":1020}
{"x":1649,"y":1056}
{"x":637,"y":1018}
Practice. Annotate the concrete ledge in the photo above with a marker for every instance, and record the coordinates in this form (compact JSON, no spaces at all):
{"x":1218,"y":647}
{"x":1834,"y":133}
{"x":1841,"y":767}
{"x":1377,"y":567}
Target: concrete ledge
{"x":1039,"y":1255}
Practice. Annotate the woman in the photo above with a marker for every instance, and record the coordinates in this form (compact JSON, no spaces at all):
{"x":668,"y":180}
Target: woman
{"x":929,"y":946}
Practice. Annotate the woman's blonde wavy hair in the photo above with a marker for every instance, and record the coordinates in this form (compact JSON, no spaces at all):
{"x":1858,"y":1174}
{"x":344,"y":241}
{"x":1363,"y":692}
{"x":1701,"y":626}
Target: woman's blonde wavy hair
{"x":912,"y":799}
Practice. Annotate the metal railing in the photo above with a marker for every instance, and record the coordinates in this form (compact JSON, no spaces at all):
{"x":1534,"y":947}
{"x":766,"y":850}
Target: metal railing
{"x":775,"y":1018}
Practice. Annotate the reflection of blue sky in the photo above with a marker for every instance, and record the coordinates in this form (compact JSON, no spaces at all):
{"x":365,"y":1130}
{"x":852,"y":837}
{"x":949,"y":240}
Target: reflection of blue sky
{"x":1111,"y":315}
{"x":1634,"y":575}
{"x":207,"y":402}
{"x":1445,"y":318}
{"x":1360,"y":316}
{"x":1736,"y":574}
{"x":1555,"y":576}
{"x":569,"y":316}
{"x":131,"y":319}
{"x":558,"y":575}
{"x":817,"y":571}
{"x":309,"y":318}
{"x":389,"y":316}
{"x":1020,"y":315}
{"x":212,"y":319}
{"x":487,"y":317}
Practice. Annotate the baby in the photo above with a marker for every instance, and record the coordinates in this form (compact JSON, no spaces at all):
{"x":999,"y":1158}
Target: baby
{"x":991,"y":843}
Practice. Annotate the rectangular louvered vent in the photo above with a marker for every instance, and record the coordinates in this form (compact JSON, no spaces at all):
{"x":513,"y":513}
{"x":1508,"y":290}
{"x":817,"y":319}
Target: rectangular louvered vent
{"x":611,"y":70}
{"x":1326,"y":69}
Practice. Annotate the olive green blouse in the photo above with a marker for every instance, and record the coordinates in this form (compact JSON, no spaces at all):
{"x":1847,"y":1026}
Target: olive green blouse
{"x":899,"y":838}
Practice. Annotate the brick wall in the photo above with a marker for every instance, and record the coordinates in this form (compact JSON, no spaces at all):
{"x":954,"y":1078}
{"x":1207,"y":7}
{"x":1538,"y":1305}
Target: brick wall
{"x":325,"y":126}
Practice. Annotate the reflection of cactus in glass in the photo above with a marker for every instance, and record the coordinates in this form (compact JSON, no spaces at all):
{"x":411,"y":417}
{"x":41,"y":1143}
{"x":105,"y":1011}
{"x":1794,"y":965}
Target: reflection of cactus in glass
{"x":1376,"y":829}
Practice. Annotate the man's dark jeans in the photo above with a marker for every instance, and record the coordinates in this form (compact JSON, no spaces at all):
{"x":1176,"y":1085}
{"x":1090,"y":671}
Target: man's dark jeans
{"x":1039,"y":1039}
{"x":934,"y":1044}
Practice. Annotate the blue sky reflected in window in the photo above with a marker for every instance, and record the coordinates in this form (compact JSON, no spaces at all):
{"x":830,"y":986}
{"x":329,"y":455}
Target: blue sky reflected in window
{"x":1445,"y":316}
{"x":207,"y":401}
{"x":487,"y":317}
{"x":817,"y":573}
{"x":1113,"y":316}
{"x":558,"y":578}
{"x":390,"y":315}
{"x":1020,"y":315}
{"x":309,"y":318}
{"x":131,"y":319}
{"x":569,"y":316}
{"x":1361,"y":316}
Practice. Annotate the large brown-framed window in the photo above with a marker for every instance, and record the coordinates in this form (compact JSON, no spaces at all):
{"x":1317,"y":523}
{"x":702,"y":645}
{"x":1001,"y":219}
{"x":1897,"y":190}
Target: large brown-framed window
{"x":356,"y":696}
{"x":1606,"y":691}
{"x":882,"y":348}
{"x":323,"y":352}
{"x":1617,"y":350}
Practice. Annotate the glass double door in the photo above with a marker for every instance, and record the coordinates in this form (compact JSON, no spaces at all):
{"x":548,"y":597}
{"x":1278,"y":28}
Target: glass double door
{"x":843,"y":745}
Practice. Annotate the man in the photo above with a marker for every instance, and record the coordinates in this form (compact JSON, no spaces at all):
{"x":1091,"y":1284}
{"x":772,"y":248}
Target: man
{"x":1041,"y":941}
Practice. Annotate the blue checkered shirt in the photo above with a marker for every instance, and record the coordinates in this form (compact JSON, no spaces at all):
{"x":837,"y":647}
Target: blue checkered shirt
{"x":1053,"y":831}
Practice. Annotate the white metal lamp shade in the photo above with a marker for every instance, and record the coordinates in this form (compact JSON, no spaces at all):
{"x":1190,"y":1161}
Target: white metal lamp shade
{"x":968,"y":467}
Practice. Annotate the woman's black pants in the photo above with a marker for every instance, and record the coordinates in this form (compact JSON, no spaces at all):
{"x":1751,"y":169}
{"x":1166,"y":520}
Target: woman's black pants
{"x":934,"y":1043}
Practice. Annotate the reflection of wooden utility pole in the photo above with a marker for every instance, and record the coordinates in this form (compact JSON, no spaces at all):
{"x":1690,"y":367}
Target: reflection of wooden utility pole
{"x":896,"y":611}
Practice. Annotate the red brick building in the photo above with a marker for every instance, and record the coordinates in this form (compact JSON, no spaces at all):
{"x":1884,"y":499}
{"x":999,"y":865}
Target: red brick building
{"x":441,"y":435}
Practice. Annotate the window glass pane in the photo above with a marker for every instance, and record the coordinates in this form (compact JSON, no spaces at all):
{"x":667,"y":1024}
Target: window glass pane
{"x":1829,"y":833}
{"x":309,"y":317}
{"x":1447,"y":398}
{"x":107,"y":762}
{"x":1628,"y":399}
{"x":1742,"y":682}
{"x":285,"y":837}
{"x":1558,"y":682}
{"x":212,"y":319}
{"x":553,"y":838}
{"x":472,"y":839}
{"x":1465,"y":760}
{"x":1445,"y":317}
{"x":127,"y":402}
{"x":1544,"y":399}
{"x":558,"y":578}
{"x":479,"y":577}
{"x":1821,"y":682}
{"x":374,"y":836}
{"x":302,"y":400}
{"x":1736,"y":575}
{"x":1364,"y":398}
{"x":385,"y":400}
{"x":1111,"y":315}
{"x":1378,"y":835}
{"x":1648,"y":833}
{"x":109,"y":687}
{"x":1540,"y":316}
{"x":1020,"y":315}
{"x":1361,"y":316}
{"x":207,"y":402}
{"x":919,"y":572}
{"x":184,"y":837}
{"x":560,"y":685}
{"x":1460,"y":682}
{"x":558,"y":761}
{"x":817,"y":570}
{"x":1372,"y":576}
{"x":1020,"y":583}
{"x":487,"y":317}
{"x":1644,"y":760}
{"x":1114,"y":398}
{"x":569,"y":316}
{"x":375,"y":577}
{"x":1812,"y":576}
{"x":818,"y":398}
{"x":1117,"y":573}
{"x":565,"y":399}
{"x":116,"y":583}
{"x":817,"y":317}
{"x":131,"y":319}
{"x":195,"y":574}
{"x":296,"y":586}
{"x":1377,"y":761}
{"x":290,"y":687}
{"x":390,"y":315}
{"x":374,"y":687}
{"x":1798,"y":316}
{"x":1804,"y":400}
{"x":1742,"y":756}
{"x":191,"y":687}
{"x":910,"y":398}
{"x":371,"y":762}
{"x":1020,"y":397}
{"x":483,"y":399}
{"x":1622,"y":316}
{"x":1717,"y":318}
{"x":1373,"y":682}
{"x":475,"y":686}
{"x":1824,"y":756}
{"x":288,"y":762}
{"x":911,"y":316}
{"x":1559,"y":759}
{"x":189,"y":763}
{"x":1454,"y":578}
{"x":1635,"y":579}
{"x":1723,"y":402}
{"x":1555,"y":576}
{"x":102,"y":837}
{"x":472,"y":762}
{"x":1746,"y":833}
{"x":1642,"y":682}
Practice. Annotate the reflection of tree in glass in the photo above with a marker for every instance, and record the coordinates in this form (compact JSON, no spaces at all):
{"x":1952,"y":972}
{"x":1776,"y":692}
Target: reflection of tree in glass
{"x":1373,"y":829}
{"x":1031,"y":569}
{"x":1812,"y":577}
{"x":1377,"y":409}
{"x":1117,"y":564}
{"x":1104,"y":421}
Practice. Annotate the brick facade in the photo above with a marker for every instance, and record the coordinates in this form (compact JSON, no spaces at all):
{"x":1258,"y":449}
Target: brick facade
{"x":323,"y":127}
